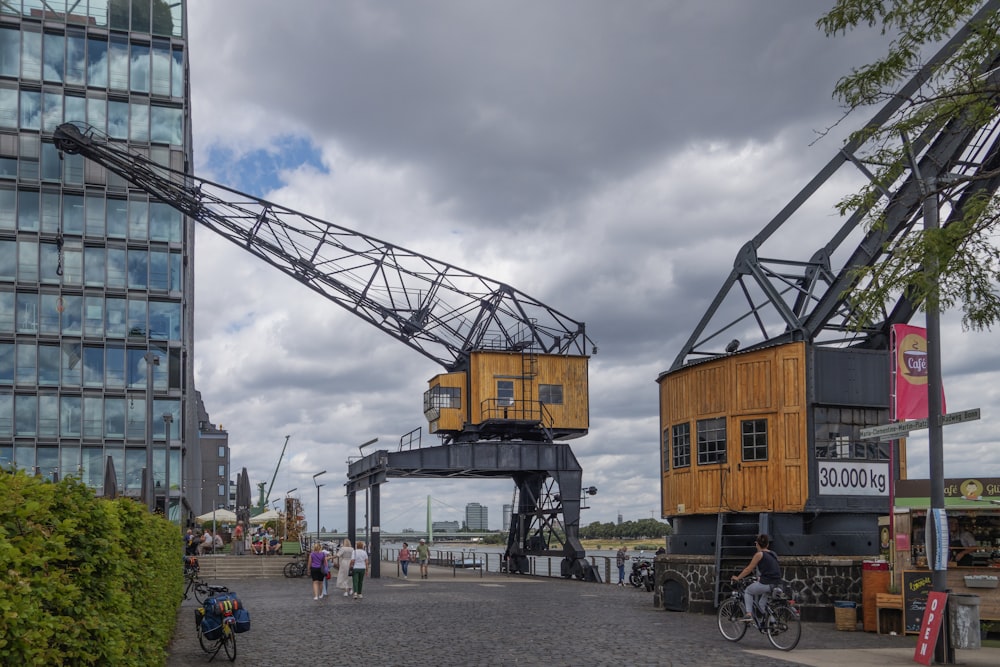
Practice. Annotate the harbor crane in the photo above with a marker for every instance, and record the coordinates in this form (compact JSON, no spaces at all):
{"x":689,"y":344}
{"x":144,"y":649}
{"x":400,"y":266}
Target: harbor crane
{"x":515,"y":377}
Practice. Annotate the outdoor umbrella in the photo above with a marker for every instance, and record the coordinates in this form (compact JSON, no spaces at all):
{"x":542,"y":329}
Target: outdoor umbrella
{"x":243,"y":496}
{"x":218,"y":516}
{"x":110,"y":479}
{"x":269,"y":515}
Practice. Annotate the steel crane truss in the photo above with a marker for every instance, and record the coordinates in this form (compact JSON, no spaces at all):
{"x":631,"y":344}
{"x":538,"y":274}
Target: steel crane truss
{"x":775,"y":300}
{"x":439,"y":309}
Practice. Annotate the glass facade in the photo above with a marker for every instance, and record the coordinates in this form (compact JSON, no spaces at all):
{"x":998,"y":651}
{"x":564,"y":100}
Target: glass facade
{"x":94,"y":280}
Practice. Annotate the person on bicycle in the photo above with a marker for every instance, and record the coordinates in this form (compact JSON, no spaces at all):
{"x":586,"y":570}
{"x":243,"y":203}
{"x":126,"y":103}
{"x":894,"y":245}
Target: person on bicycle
{"x":769,"y":575}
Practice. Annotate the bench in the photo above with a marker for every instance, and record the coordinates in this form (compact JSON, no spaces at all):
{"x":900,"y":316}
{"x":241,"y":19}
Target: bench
{"x":291,"y":548}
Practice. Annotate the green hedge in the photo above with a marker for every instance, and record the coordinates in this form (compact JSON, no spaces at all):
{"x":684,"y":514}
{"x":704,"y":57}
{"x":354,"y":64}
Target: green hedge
{"x":84,"y":580}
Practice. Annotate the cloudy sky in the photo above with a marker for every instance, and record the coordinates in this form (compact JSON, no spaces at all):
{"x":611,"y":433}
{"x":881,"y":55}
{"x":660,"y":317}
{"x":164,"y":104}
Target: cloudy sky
{"x":607,"y":158}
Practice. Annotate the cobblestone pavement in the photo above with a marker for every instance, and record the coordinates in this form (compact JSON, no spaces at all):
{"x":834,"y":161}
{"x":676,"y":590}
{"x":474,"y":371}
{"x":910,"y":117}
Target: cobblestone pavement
{"x":495,"y":620}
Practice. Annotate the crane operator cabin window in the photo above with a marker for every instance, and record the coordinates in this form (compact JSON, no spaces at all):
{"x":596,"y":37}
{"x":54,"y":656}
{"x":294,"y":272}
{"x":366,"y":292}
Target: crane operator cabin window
{"x":505,"y":392}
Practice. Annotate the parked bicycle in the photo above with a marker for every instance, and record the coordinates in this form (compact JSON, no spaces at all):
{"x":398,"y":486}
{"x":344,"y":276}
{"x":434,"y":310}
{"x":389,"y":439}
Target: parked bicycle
{"x":214,"y":638}
{"x":195,"y":586}
{"x":779,"y":621}
{"x":297,"y":567}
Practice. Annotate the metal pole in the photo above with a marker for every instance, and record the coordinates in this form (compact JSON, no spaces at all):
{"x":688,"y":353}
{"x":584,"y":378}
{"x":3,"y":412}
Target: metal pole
{"x":152,"y":360}
{"x":317,"y":511}
{"x":323,"y":472}
{"x":167,"y":421}
{"x":937,"y":523}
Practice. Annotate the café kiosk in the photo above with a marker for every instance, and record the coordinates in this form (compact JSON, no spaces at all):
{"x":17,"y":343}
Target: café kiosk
{"x":974,"y":546}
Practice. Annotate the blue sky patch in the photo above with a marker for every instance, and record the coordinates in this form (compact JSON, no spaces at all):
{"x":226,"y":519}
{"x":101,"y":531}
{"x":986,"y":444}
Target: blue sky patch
{"x":258,"y":172}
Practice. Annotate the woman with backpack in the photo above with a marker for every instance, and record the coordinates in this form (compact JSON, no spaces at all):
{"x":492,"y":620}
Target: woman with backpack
{"x":766,"y":561}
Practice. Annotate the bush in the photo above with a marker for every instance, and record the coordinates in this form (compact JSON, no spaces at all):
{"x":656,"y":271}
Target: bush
{"x":83,"y":580}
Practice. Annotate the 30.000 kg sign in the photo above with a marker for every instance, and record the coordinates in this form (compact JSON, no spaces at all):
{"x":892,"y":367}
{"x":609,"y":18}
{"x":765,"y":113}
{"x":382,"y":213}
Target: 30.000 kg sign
{"x":853,"y":478}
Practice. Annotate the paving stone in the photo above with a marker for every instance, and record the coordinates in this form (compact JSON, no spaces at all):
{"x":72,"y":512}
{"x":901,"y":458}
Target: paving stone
{"x":496,"y":619}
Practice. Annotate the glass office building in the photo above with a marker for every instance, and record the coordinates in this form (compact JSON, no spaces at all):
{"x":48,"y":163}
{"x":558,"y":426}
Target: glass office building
{"x":96,"y":289}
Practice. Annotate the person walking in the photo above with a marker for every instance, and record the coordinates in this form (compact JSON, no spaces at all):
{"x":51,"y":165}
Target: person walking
{"x":344,"y":558}
{"x":316,"y":559}
{"x":404,"y":559}
{"x":359,"y":568}
{"x":238,"y":539}
{"x":424,"y":557}
{"x":327,"y":566}
{"x":620,"y":558}
{"x":769,"y":575}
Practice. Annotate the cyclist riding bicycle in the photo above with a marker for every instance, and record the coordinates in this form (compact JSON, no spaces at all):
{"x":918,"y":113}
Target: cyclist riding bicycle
{"x":766,"y":562}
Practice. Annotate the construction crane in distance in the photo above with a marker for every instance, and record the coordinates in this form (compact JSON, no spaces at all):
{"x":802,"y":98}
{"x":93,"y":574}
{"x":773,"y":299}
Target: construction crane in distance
{"x":265,"y":499}
{"x":516,"y":369}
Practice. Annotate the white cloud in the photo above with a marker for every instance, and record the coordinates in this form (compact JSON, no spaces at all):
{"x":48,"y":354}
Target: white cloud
{"x":609,"y":161}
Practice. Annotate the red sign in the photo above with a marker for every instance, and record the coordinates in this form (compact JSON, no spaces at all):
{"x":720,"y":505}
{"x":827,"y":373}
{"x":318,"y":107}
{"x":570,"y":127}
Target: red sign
{"x":930,"y":628}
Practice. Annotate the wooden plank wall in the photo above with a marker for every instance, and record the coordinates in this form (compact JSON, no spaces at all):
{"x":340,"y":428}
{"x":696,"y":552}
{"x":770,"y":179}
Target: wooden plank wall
{"x":486,"y":367}
{"x":765,"y":384}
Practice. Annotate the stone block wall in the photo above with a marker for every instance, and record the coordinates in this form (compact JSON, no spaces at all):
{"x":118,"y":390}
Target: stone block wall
{"x":687,"y":583}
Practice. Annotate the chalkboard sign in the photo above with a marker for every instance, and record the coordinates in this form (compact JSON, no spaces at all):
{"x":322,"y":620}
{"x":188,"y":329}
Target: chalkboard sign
{"x":916,"y":586}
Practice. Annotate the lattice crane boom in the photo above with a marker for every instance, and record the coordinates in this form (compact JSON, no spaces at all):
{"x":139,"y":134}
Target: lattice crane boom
{"x":442,"y":311}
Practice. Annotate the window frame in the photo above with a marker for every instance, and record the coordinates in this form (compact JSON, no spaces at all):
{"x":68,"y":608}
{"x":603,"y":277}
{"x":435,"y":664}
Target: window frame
{"x":753,"y":450}
{"x":680,"y":437}
{"x":712,"y":449}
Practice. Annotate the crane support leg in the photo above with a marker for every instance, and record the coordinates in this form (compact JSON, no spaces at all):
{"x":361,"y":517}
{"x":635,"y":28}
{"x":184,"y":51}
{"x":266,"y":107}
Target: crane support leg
{"x":376,"y":531}
{"x":547,"y":479}
{"x":352,"y":522}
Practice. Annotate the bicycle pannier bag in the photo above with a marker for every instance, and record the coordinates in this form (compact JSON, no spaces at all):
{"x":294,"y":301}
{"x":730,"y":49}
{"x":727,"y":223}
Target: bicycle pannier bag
{"x":242,"y":617}
{"x":211,"y":626}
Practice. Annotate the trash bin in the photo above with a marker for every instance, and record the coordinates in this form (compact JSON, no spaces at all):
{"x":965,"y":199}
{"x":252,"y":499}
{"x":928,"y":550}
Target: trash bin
{"x":963,"y":621}
{"x":846,"y":615}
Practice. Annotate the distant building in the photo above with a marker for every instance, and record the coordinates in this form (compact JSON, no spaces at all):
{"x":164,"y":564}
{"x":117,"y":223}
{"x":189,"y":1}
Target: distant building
{"x":445,"y":526}
{"x":476,"y":517}
{"x":208,"y":486}
{"x":508,"y":511}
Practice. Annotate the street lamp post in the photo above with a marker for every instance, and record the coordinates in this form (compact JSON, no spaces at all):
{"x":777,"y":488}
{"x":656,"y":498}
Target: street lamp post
{"x":323,"y":472}
{"x":288,"y":493}
{"x":937,"y":522}
{"x":167,"y":421}
{"x":152,"y":360}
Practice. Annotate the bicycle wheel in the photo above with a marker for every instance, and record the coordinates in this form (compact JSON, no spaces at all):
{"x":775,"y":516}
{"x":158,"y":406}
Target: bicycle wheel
{"x":731,"y":623}
{"x":290,"y":570}
{"x":785,"y":629}
{"x":229,"y":641}
{"x":207,"y":645}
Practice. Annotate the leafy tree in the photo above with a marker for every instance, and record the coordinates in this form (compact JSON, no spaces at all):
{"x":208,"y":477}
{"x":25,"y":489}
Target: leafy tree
{"x":965,"y":86}
{"x":627,"y":529}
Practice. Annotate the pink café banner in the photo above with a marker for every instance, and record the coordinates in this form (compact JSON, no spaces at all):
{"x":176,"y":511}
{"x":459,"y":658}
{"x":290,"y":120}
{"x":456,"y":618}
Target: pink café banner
{"x":909,"y":363}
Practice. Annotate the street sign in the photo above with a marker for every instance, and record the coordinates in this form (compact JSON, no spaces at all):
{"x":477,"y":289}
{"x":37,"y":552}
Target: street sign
{"x":892,"y":431}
